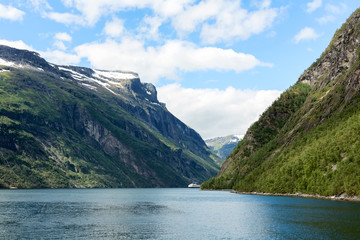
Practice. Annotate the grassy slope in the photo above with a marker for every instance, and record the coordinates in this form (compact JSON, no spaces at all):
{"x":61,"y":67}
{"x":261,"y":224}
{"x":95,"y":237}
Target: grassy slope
{"x":314,"y":149}
{"x":260,"y":138}
{"x":42,"y":148}
{"x":324,"y":160}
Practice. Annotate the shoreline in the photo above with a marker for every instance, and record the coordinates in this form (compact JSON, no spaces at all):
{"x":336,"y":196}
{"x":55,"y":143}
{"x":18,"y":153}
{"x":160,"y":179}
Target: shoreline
{"x":342,"y":197}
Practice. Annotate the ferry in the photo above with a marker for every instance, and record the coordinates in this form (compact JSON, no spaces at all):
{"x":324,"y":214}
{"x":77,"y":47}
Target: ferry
{"x":193,"y":185}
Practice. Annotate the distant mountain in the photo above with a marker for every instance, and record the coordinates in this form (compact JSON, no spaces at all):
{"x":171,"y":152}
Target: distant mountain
{"x":308,"y":140}
{"x":223,"y":146}
{"x":68,"y":126}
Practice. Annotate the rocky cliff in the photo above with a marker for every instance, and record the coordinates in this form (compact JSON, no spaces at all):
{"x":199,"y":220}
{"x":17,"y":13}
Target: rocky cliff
{"x":307,"y":141}
{"x":69,"y":126}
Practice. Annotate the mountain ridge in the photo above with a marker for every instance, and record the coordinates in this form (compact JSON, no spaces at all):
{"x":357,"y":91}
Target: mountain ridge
{"x":69,"y":126}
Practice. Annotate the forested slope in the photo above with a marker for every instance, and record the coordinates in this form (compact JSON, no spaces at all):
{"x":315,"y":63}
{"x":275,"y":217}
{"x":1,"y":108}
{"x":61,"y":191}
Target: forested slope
{"x":308,"y":140}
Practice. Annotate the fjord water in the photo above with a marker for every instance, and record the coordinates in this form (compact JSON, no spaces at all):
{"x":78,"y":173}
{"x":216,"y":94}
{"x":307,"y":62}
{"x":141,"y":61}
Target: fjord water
{"x":171,"y":214}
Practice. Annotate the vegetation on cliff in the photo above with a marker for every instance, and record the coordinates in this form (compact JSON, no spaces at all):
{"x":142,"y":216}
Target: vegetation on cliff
{"x":64,"y":126}
{"x":308,"y":140}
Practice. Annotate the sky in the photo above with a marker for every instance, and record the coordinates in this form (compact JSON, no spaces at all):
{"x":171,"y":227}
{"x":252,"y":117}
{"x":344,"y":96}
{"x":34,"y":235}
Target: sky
{"x":217,"y":64}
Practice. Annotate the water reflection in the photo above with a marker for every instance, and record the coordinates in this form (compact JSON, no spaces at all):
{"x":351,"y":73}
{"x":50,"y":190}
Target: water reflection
{"x":304,"y":218}
{"x":146,"y":208}
{"x":76,"y":220}
{"x":171,"y":214}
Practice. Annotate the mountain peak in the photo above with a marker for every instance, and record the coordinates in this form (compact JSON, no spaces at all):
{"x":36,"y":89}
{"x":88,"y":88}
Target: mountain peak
{"x":71,"y":126}
{"x":23,"y":58}
{"x":116,"y":81}
{"x":223,"y":146}
{"x":341,"y":53}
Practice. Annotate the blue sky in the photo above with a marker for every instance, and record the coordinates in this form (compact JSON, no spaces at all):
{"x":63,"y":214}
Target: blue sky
{"x":217,"y":64}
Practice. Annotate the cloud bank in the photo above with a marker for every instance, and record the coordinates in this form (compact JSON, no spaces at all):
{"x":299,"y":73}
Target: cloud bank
{"x":165,"y":61}
{"x":214,"y":112}
{"x":160,"y":43}
{"x":215,"y":20}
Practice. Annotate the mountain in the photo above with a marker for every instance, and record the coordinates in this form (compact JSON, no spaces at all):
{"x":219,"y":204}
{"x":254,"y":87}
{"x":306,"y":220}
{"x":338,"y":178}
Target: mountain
{"x":308,"y":140}
{"x":223,"y":146}
{"x":69,"y":126}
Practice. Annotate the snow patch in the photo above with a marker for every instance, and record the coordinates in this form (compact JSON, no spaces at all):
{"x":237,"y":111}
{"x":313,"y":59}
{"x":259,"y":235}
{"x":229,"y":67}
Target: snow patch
{"x":75,"y":75}
{"x":89,"y":86}
{"x":14,"y":64}
{"x":7,"y":63}
{"x":98,"y":76}
{"x":4,"y":70}
{"x":83,"y":78}
{"x":155,"y":103}
{"x":116,"y":75}
{"x":239,"y":136}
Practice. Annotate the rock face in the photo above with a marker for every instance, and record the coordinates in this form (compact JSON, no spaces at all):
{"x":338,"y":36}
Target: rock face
{"x":308,"y":140}
{"x":68,"y":126}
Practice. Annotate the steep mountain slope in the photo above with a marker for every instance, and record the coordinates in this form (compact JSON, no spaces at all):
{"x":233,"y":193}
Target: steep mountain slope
{"x":223,"y":146}
{"x":67,"y":126}
{"x":308,"y":141}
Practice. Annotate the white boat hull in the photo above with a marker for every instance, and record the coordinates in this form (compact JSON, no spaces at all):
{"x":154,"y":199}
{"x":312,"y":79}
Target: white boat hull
{"x":193,"y":185}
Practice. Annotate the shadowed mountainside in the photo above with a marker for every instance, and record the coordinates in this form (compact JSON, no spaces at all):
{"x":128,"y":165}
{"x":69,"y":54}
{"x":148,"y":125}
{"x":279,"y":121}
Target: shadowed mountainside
{"x":68,"y":126}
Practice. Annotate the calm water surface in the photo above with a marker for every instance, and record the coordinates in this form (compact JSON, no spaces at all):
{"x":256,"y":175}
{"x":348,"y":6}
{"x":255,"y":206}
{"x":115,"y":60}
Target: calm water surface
{"x":171,"y":214}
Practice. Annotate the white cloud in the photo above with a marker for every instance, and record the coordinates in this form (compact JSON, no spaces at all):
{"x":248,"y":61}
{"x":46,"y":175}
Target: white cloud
{"x":306,"y":33}
{"x":114,"y":28}
{"x":153,"y":63}
{"x":265,"y":4}
{"x":332,"y":12}
{"x":57,"y":57}
{"x":223,"y":20}
{"x":336,"y":9}
{"x":261,"y":4}
{"x":62,"y":36}
{"x":68,"y":3}
{"x":66,"y":18}
{"x":169,"y":8}
{"x":60,"y":57}
{"x":237,"y":24}
{"x":325,"y":19}
{"x":16,"y":44}
{"x":149,"y":28}
{"x":40,"y":5}
{"x":214,"y":112}
{"x":312,"y":6}
{"x":187,"y":21}
{"x":92,"y":10}
{"x":217,"y":20}
{"x":60,"y":45}
{"x":11,"y":13}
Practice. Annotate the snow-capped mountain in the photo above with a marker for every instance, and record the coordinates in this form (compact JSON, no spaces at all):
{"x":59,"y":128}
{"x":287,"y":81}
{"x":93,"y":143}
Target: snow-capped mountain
{"x":70,"y":126}
{"x":223,"y":146}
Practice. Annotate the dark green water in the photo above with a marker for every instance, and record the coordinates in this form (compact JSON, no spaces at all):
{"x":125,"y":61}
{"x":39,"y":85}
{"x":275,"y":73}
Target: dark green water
{"x":171,"y":214}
